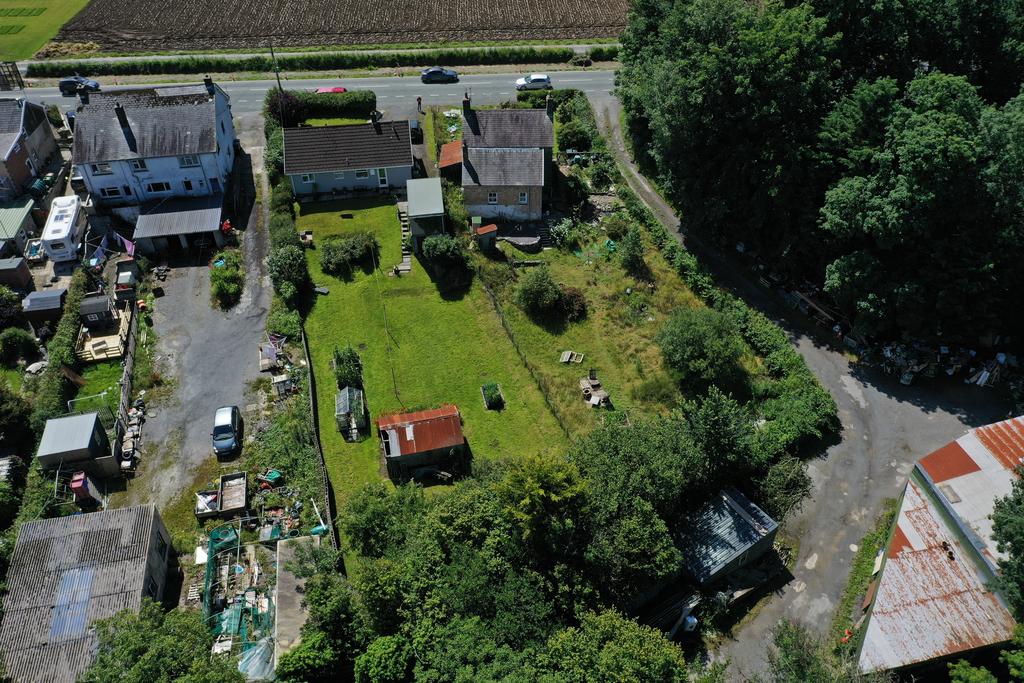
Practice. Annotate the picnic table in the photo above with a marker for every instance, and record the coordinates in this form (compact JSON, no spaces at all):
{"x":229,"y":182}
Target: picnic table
{"x":570,"y":357}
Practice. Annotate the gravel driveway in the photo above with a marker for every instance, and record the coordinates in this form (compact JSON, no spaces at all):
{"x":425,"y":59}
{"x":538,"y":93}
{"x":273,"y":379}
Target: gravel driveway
{"x":885,"y":428}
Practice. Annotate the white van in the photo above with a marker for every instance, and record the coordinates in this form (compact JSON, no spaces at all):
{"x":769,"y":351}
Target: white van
{"x":64,"y":229}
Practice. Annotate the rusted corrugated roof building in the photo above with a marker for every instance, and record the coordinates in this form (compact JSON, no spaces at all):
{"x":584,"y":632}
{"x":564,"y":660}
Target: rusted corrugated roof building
{"x":932,"y":600}
{"x":419,"y":440}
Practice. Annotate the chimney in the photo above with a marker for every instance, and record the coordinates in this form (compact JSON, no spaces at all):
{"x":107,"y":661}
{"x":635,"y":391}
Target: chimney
{"x":129,"y":135}
{"x":122,"y":118}
{"x":467,"y":105}
{"x":83,"y":94}
{"x":208,"y":82}
{"x":549,"y":105}
{"x":375,"y":117}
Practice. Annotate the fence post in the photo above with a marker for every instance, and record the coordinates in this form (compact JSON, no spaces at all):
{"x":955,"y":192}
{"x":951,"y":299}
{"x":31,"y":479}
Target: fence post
{"x":328,"y":499}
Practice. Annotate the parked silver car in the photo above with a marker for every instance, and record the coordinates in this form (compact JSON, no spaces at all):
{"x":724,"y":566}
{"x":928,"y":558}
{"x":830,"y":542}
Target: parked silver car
{"x":534,"y":82}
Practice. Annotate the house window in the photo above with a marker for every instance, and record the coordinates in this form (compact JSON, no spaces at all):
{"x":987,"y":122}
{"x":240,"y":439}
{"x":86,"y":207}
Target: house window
{"x":101,"y":169}
{"x":187,"y":184}
{"x":188,"y":161}
{"x":92,"y":317}
{"x":127,"y":190}
{"x":138,"y":165}
{"x":151,"y":587}
{"x":492,"y":197}
{"x":362,"y":174}
{"x":340,"y":175}
{"x":110,"y":192}
{"x":307,"y":178}
{"x":158,"y":187}
{"x":524,"y":197}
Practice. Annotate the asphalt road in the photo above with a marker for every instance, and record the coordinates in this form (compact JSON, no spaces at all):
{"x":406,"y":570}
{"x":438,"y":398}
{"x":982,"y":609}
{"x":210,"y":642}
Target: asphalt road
{"x":396,"y":95}
{"x":886,"y":427}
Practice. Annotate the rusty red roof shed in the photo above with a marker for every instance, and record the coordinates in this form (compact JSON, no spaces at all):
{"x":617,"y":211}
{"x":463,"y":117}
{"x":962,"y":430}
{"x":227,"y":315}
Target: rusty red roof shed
{"x":423,"y":431}
{"x":487,"y":229}
{"x":451,"y":154}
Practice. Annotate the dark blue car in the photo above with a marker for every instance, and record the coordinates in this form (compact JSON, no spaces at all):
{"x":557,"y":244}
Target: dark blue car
{"x":69,"y":85}
{"x":227,"y":430}
{"x":437,"y":74}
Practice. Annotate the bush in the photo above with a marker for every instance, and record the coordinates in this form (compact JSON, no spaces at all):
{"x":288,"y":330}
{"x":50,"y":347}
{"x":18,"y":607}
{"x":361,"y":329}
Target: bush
{"x":602,"y":53}
{"x":445,"y":250}
{"x":631,"y":253}
{"x":701,"y":345}
{"x":340,"y":255}
{"x":615,"y":226}
{"x":568,"y":234}
{"x":53,"y":389}
{"x":288,"y":272}
{"x":580,"y":60}
{"x":538,"y":294}
{"x":455,"y":214}
{"x":492,"y":396}
{"x":658,"y":389}
{"x":348,"y":369}
{"x":273,"y":155}
{"x":603,"y":173}
{"x":282,"y":231}
{"x":575,"y":136}
{"x":281,"y":200}
{"x":388,"y":659}
{"x":574,"y":304}
{"x":226,"y":281}
{"x":15,"y":343}
{"x":284,"y":108}
{"x":283,"y":322}
{"x":10,"y":308}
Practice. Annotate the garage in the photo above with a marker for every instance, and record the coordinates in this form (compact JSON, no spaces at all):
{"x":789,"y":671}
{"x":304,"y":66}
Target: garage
{"x":180,"y":224}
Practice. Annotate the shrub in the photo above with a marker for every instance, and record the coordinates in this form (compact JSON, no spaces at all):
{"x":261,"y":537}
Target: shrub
{"x":701,"y":345}
{"x":10,"y":307}
{"x":605,"y":53}
{"x":492,"y":396}
{"x":288,"y":272}
{"x":340,"y":255}
{"x":603,"y":173}
{"x":226,"y":281}
{"x":281,"y":200}
{"x":444,"y":250}
{"x":574,"y":304}
{"x":455,"y":214}
{"x":283,"y":322}
{"x":615,"y":226}
{"x":574,"y":135}
{"x":580,"y":60}
{"x":658,"y":389}
{"x":53,"y":389}
{"x":568,"y":234}
{"x":285,"y":108}
{"x":496,"y":275}
{"x":538,"y":294}
{"x":631,"y":253}
{"x":348,"y":369}
{"x":15,"y":343}
{"x":388,"y":659}
{"x":282,"y":231}
{"x":784,"y":486}
{"x":273,"y":155}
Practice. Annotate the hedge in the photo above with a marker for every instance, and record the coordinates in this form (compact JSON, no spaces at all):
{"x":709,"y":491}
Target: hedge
{"x":793,"y":403}
{"x":310,"y":61}
{"x":54,"y":389}
{"x":605,"y":53}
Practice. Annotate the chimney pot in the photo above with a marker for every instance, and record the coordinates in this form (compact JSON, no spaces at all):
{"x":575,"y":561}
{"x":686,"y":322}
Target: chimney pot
{"x":208,"y":82}
{"x":83,"y":94}
{"x":467,"y":103}
{"x":122,"y":118}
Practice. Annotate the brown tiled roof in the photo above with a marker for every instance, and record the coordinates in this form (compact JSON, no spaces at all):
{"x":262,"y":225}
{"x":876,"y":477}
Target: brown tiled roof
{"x":426,"y":430}
{"x":347,"y":148}
{"x":451,"y":154}
{"x":508,"y":128}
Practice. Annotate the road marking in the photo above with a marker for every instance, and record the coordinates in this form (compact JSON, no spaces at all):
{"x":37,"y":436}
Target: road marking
{"x":398,"y":96}
{"x":504,"y":93}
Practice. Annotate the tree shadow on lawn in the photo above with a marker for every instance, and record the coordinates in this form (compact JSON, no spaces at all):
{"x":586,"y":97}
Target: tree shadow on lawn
{"x":453,"y":281}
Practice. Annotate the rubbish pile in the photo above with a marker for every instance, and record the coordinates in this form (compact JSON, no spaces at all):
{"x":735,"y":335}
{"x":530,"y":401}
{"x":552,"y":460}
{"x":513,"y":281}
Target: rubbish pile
{"x":915,"y":358}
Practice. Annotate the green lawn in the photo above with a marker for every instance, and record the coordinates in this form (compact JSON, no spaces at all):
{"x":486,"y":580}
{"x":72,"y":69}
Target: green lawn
{"x":100,"y":377}
{"x":26,"y":25}
{"x":12,"y":377}
{"x":438,"y":351}
{"x":338,"y":121}
{"x":617,"y":338}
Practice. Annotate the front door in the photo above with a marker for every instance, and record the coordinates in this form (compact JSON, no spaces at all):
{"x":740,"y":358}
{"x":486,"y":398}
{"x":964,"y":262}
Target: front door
{"x":382,"y":177}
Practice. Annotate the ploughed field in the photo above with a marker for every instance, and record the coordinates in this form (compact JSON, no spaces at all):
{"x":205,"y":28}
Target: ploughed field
{"x":158,"y":25}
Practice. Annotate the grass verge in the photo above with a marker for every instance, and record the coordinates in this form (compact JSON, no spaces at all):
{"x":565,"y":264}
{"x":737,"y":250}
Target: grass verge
{"x":434,"y":349}
{"x":29,"y":24}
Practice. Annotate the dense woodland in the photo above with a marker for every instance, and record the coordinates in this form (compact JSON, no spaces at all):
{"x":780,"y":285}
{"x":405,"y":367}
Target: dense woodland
{"x":874,"y":148}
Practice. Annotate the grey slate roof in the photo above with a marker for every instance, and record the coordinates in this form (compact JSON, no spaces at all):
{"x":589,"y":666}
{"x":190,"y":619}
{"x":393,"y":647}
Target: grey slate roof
{"x":347,"y":148}
{"x":179,"y":216}
{"x":508,"y":128}
{"x":10,"y":123}
{"x":490,"y":167}
{"x":12,"y":263}
{"x":164,"y":121}
{"x":724,"y":528}
{"x":425,"y":197}
{"x":66,"y":574}
{"x":98,"y":303}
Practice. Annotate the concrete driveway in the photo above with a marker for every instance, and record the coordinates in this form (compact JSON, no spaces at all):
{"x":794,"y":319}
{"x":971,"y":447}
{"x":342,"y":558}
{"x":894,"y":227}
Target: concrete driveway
{"x":885,"y":428}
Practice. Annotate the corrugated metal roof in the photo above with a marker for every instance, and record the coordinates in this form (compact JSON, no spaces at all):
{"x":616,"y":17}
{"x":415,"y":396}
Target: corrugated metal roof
{"x":12,"y":216}
{"x":502,"y":167}
{"x":932,"y":599}
{"x":179,"y":216}
{"x":66,"y":574}
{"x":424,"y":197}
{"x":43,"y":300}
{"x":347,"y":148}
{"x":71,"y":433}
{"x":508,"y":128}
{"x":163,"y":121}
{"x":423,"y":431}
{"x":724,"y":528}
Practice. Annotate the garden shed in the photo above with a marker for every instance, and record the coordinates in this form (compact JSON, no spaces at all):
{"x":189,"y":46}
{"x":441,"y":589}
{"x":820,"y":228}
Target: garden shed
{"x":426,"y":209}
{"x":15,"y":274}
{"x":77,"y":442}
{"x":43,"y":306}
{"x":350,"y":412}
{"x":727,"y":533}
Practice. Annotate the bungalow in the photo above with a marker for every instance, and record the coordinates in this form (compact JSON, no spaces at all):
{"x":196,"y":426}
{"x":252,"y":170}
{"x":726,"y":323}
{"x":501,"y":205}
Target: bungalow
{"x":154,"y":144}
{"x":505,"y":156}
{"x":417,"y":444}
{"x":28,"y":146}
{"x":367,"y":156}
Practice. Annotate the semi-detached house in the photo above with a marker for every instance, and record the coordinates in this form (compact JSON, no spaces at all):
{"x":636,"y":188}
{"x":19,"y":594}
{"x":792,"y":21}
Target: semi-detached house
{"x":140,"y":145}
{"x":28,"y":147}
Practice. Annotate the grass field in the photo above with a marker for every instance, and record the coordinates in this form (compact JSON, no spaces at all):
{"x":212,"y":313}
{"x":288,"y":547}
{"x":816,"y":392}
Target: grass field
{"x":99,"y":377}
{"x":26,"y":25}
{"x":12,"y":377}
{"x":434,"y":350}
{"x":616,"y":338}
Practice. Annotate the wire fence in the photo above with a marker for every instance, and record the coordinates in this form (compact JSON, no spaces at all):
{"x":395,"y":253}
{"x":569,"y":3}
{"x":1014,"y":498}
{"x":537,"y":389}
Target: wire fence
{"x":328,"y":500}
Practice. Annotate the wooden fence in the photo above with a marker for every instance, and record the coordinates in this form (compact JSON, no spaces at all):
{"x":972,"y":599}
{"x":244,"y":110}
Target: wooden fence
{"x":328,"y":501}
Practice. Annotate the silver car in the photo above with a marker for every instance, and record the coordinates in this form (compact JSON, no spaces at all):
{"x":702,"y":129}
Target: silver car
{"x":534,"y":82}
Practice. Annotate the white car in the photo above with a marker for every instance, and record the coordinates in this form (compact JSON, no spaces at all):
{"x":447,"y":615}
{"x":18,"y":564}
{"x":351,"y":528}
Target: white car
{"x":534,"y":82}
